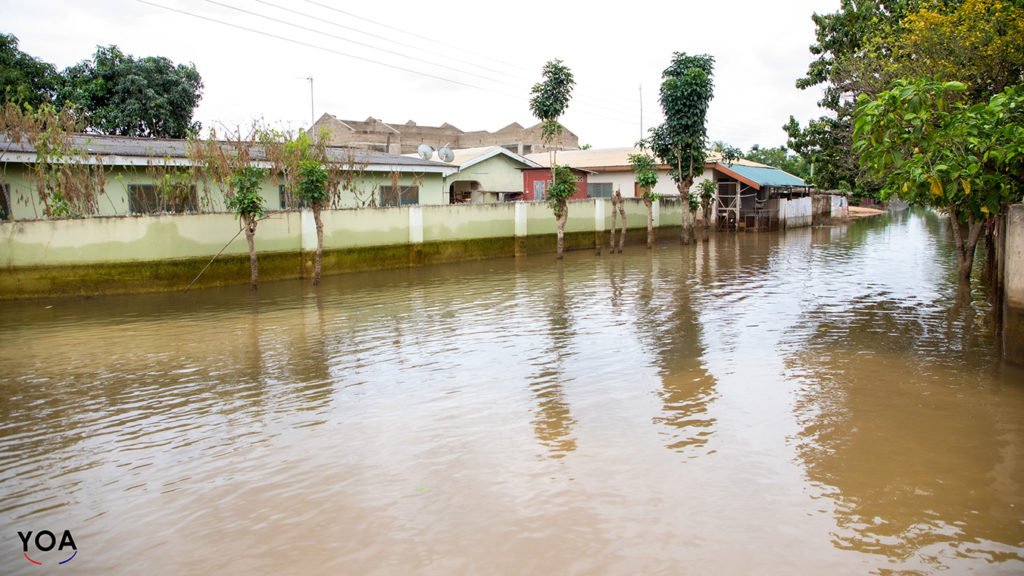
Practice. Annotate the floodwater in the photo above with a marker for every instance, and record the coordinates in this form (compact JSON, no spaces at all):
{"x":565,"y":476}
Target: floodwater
{"x":806,"y":403}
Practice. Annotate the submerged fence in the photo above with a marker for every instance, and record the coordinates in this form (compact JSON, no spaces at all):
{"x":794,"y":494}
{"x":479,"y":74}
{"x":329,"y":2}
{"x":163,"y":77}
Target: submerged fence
{"x":145,"y":253}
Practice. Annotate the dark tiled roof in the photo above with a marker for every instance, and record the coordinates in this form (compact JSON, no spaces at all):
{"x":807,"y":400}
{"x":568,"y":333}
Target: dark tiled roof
{"x":167,"y":148}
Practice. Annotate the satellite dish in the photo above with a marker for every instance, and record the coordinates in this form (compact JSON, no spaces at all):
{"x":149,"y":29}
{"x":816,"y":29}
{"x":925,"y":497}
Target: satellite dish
{"x":446,"y":154}
{"x":425,"y":151}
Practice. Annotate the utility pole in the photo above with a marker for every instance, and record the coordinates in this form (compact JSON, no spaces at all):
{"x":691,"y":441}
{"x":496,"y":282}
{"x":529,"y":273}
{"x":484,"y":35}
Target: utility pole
{"x":641,"y":111}
{"x":311,"y":114}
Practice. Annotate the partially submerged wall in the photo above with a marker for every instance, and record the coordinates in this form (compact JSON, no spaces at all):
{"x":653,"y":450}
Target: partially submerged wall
{"x":151,"y":253}
{"x":1013,"y":277}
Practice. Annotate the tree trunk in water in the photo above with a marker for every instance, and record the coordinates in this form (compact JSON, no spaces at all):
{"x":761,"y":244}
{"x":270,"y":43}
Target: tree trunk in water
{"x":622,"y":230}
{"x":563,"y":210}
{"x":707,"y":221}
{"x":693,"y":226}
{"x":650,"y":221}
{"x":684,"y":197}
{"x":616,"y":198}
{"x":250,"y":236}
{"x":965,"y":239}
{"x":319,"y":243}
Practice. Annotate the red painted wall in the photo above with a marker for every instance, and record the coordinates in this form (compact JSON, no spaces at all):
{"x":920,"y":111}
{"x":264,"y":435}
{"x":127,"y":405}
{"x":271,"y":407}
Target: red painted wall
{"x":531,"y":175}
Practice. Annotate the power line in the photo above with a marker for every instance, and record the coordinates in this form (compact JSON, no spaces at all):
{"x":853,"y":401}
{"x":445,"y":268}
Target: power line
{"x":617,"y":104}
{"x":377,"y":36}
{"x":353,"y":56}
{"x":343,"y":39}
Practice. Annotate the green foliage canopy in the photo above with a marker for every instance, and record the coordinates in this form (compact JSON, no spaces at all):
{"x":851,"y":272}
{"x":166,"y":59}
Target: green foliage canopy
{"x":562,"y":188}
{"x":312,"y":183}
{"x":550,"y":98}
{"x":966,"y":159}
{"x":23,"y":79}
{"x":122,"y":95}
{"x":685,"y":95}
{"x":245,"y":200}
{"x":646,"y":174}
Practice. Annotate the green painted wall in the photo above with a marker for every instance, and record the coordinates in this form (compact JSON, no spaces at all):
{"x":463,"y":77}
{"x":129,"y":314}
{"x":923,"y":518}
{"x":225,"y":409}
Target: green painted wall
{"x":147,"y":253}
{"x":364,"y":191}
{"x":497,"y":174}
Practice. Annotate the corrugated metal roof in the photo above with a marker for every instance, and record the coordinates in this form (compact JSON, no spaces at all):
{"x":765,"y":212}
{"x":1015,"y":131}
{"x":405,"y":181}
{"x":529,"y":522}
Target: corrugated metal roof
{"x":764,"y":175}
{"x":120,"y":149}
{"x":466,"y":157}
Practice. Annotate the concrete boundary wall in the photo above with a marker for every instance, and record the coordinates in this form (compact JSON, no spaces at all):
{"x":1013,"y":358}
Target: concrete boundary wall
{"x":99,"y":255}
{"x":1013,"y":286}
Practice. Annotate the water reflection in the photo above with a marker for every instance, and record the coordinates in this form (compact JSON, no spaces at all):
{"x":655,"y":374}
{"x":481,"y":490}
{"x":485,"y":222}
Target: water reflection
{"x":553,"y":421}
{"x":629,"y":413}
{"x":931,"y":482}
{"x":669,"y":326}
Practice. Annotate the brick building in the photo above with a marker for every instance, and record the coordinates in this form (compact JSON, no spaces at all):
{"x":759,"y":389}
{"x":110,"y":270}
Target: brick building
{"x":374,"y":134}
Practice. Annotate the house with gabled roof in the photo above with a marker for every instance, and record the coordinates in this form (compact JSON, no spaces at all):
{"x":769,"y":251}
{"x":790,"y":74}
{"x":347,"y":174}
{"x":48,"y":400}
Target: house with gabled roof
{"x":134,"y":176}
{"x":485,"y":174}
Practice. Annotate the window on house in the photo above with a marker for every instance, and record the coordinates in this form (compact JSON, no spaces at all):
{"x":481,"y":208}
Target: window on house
{"x":401,"y":196}
{"x":540,"y":189}
{"x":289,"y":200}
{"x":5,"y":201}
{"x":149,"y":199}
{"x":599,"y":190}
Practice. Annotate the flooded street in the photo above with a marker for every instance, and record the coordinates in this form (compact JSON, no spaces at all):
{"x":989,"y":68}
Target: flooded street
{"x":805,"y":403}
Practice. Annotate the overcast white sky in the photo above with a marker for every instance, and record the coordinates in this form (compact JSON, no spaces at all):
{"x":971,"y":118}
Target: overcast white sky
{"x":469,"y":63}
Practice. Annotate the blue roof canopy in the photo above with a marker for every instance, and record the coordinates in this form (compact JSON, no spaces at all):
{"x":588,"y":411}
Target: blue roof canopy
{"x":762,"y":175}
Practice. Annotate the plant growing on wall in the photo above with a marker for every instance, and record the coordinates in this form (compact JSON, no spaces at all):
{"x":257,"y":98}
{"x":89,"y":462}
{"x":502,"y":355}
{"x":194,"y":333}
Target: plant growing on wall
{"x":707,"y":191}
{"x":646,"y":179}
{"x":68,"y":180}
{"x":312,"y":189}
{"x":965,"y":160}
{"x":686,"y":92}
{"x":247,"y":203}
{"x":549,"y":101}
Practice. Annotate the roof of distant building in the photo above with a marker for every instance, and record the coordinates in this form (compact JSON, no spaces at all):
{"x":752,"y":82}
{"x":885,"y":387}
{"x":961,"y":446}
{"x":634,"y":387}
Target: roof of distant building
{"x":128,"y":151}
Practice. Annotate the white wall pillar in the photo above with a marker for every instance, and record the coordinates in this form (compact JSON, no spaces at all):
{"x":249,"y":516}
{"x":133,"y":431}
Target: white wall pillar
{"x":307,"y":231}
{"x":415,"y":225}
{"x":656,"y":213}
{"x":598,"y":214}
{"x":520,"y":219}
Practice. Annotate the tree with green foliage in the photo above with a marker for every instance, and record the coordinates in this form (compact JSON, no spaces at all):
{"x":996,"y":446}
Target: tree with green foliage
{"x":964,"y":159}
{"x":685,"y":95}
{"x":548,"y":102}
{"x":864,"y":47}
{"x":312,"y":189}
{"x":125,"y":96}
{"x":562,"y":188}
{"x":706,"y":192}
{"x":646,"y":174}
{"x":246,"y":202}
{"x":24,"y":80}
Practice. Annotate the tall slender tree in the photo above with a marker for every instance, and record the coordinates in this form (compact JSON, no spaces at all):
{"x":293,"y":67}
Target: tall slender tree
{"x":312,"y":188}
{"x":646,"y":175}
{"x":550,"y":97}
{"x":686,"y":92}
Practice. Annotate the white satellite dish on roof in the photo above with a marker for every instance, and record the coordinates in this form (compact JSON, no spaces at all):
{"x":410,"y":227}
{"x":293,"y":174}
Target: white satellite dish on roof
{"x":425,"y":151}
{"x":446,"y":154}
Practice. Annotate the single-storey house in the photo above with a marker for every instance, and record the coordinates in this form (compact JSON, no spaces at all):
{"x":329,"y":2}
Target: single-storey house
{"x":486,"y":174}
{"x":749,"y":195}
{"x":536,"y":182}
{"x":748,"y":192}
{"x":118,"y":176}
{"x":609,"y":170}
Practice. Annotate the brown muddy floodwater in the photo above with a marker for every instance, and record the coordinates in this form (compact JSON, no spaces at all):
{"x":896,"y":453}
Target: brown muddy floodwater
{"x":806,"y":403}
